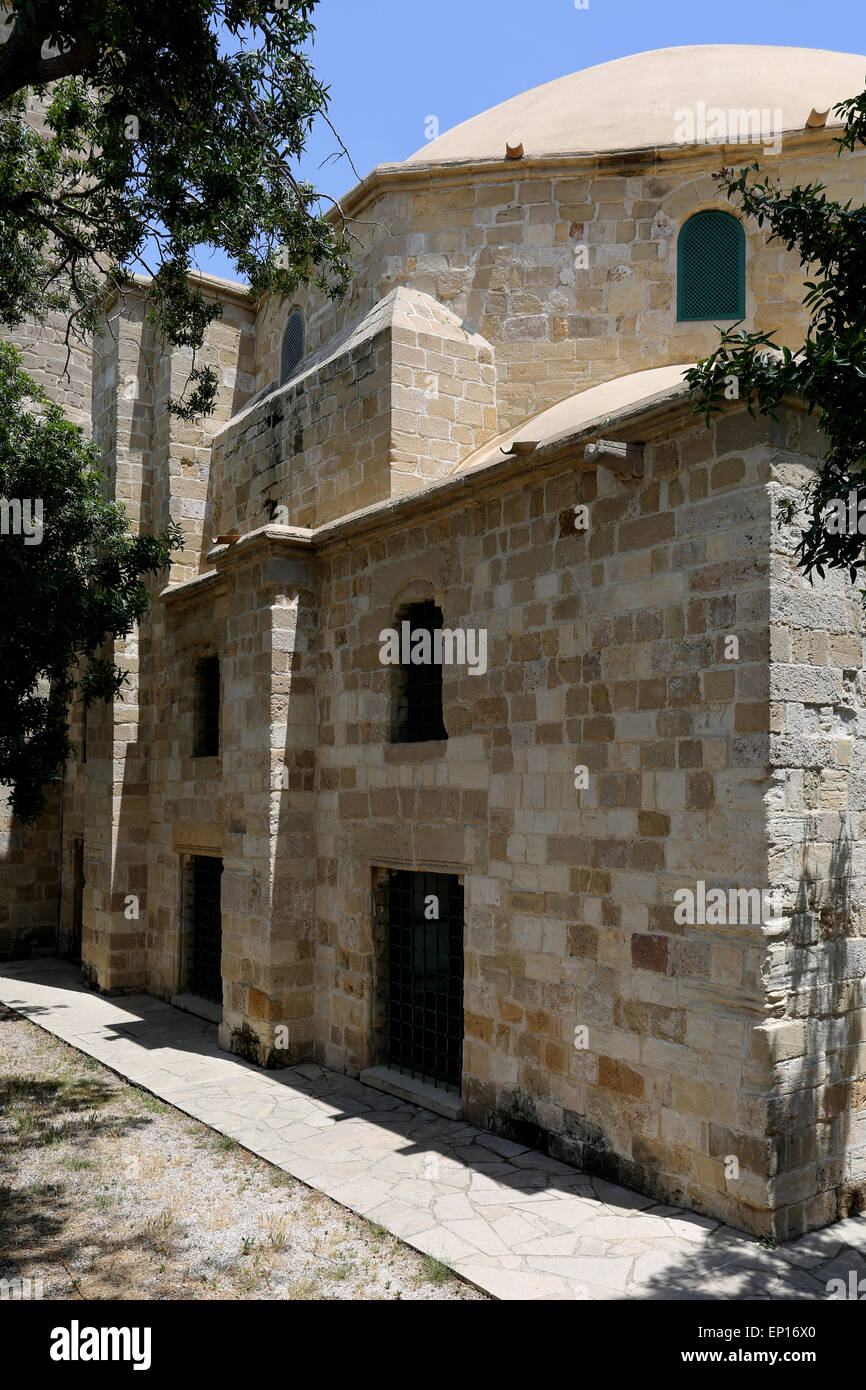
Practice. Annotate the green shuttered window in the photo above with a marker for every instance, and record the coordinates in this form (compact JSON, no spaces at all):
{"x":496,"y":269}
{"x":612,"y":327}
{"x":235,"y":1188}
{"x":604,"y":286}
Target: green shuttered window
{"x":711,"y":267}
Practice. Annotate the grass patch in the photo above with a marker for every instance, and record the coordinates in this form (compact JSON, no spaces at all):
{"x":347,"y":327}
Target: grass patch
{"x":159,"y":1232}
{"x":435,"y":1272}
{"x":153,"y":1104}
{"x":277,"y":1235}
{"x":144,"y":1202}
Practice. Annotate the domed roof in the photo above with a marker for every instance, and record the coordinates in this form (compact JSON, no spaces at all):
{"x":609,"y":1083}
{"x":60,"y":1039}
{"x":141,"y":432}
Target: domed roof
{"x":606,"y":403}
{"x":632,"y":103}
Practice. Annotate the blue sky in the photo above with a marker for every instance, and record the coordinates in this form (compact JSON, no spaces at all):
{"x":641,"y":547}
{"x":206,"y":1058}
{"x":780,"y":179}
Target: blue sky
{"x":392,"y":63}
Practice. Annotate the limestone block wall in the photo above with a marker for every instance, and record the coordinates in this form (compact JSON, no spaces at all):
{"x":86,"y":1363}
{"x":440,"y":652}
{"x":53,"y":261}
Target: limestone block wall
{"x":57,"y":359}
{"x":400,"y":399}
{"x":108,"y":797}
{"x":188,"y":812}
{"x":268,"y":772}
{"x":182,"y":489}
{"x":252,"y":805}
{"x":815,"y":1045}
{"x":291,"y":589}
{"x":63,"y":372}
{"x":29,"y":879}
{"x":31,"y":904}
{"x":443,"y":391}
{"x":607,"y":650}
{"x":499,"y":245}
{"x":157,"y":468}
{"x":30,"y":862}
{"x":318,"y":445}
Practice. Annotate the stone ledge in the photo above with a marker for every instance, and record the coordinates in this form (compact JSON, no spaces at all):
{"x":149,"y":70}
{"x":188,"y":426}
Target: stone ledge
{"x":404,"y":1087}
{"x":202,"y":1008}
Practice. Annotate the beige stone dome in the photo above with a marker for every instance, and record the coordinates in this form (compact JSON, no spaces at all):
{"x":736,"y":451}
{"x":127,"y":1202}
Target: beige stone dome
{"x":632,"y":103}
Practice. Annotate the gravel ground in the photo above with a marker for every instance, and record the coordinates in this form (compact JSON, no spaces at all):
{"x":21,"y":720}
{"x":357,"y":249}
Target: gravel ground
{"x":108,"y":1193}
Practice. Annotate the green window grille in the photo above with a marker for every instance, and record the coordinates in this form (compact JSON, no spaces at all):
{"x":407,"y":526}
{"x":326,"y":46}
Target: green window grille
{"x":711,"y":268}
{"x":293,"y":346}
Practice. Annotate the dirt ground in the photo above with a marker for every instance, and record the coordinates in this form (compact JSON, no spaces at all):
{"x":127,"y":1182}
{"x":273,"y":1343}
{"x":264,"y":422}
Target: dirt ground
{"x":108,"y":1193}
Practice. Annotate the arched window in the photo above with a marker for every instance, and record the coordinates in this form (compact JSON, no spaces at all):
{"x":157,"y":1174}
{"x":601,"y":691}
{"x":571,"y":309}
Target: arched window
{"x":293,"y":346}
{"x":417,"y":715}
{"x":207,"y":708}
{"x":711,"y":267}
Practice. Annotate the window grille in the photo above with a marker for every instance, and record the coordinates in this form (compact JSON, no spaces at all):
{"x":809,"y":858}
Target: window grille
{"x":205,"y":976}
{"x":293,"y":346}
{"x":711,"y":267}
{"x":424,"y":996}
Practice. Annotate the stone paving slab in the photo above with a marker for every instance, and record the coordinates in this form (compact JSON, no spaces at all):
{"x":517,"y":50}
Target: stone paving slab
{"x":515,"y":1223}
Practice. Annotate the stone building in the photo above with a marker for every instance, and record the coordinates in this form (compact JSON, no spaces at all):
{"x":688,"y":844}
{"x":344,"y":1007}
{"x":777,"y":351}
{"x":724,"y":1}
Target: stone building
{"x":30,"y":858}
{"x":470,"y":880}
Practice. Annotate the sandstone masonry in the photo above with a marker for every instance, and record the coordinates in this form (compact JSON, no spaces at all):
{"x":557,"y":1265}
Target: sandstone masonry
{"x":432,"y":447}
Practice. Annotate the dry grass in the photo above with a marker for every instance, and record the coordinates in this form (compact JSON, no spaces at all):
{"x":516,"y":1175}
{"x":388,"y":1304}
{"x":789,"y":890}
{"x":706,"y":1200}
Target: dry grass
{"x":107,"y":1193}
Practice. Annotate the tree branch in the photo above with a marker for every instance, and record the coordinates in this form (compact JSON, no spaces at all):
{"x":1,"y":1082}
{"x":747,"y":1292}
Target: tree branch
{"x":22,"y":64}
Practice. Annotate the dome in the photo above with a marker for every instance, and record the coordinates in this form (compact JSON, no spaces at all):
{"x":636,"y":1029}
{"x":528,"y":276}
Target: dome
{"x":632,"y":103}
{"x":607,"y":403}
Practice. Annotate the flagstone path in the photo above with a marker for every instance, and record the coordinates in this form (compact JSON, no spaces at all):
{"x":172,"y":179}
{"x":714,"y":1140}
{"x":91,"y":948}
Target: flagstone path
{"x":514,"y":1222}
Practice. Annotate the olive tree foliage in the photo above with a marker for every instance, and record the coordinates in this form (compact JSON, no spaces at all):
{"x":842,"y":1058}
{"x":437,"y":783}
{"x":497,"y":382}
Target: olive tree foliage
{"x":168,"y":124}
{"x":158,"y":126}
{"x":829,"y":370}
{"x":70,"y":576}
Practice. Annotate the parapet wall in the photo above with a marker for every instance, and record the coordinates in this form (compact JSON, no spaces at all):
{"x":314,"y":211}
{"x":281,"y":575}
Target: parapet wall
{"x":567,"y":265}
{"x":401,"y":400}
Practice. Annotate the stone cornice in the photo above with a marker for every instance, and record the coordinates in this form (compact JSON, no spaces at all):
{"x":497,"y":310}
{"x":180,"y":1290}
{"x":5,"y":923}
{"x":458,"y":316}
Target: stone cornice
{"x":203,"y":585}
{"x":639,"y":423}
{"x":212,"y":285}
{"x":667,"y":413}
{"x":385,"y":178}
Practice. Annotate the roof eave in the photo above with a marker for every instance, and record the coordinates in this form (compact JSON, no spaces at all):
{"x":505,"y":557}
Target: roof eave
{"x":383,"y":177}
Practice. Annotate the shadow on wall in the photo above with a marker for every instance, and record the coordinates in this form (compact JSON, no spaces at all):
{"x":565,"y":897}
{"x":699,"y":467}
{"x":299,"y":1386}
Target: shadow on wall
{"x":29,"y":881}
{"x":241,"y":398}
{"x":813,"y":1120}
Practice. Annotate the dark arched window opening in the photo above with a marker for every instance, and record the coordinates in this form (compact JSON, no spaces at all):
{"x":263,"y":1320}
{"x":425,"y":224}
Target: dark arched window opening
{"x":711,"y":267}
{"x":417,"y":715}
{"x":207,"y":708}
